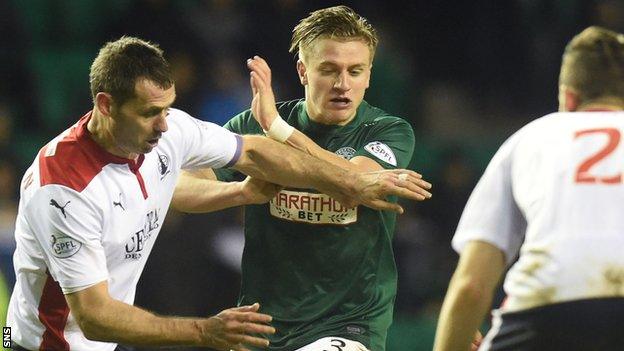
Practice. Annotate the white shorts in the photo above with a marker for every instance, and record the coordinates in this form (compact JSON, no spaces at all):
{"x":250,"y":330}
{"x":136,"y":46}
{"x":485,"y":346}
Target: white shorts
{"x":334,"y":343}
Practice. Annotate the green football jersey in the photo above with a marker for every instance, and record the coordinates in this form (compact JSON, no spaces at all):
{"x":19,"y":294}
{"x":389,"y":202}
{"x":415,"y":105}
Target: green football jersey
{"x":319,"y":268}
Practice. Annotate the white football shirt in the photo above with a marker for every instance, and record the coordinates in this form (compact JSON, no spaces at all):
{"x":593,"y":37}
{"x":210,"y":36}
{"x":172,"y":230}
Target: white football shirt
{"x":554,"y":194}
{"x":87,"y":216}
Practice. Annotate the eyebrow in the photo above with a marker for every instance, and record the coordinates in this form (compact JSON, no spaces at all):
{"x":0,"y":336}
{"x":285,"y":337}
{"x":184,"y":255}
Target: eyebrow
{"x":332,"y":64}
{"x":155,"y":109}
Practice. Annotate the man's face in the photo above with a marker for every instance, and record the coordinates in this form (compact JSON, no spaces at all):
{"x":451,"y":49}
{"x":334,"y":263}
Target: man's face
{"x":140,"y":121}
{"x":336,"y":74}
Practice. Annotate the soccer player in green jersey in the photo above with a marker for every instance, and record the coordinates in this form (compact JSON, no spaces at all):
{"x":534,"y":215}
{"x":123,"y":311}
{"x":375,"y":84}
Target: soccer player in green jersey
{"x":324,"y":271}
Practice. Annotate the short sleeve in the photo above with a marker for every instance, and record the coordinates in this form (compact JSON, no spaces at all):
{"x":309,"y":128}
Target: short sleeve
{"x":491,"y":213}
{"x":235,"y":125}
{"x":203,"y":144}
{"x":68,"y":229}
{"x":390,"y":141}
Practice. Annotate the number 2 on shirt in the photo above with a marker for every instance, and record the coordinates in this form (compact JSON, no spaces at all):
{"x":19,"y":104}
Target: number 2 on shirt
{"x":583,"y":174}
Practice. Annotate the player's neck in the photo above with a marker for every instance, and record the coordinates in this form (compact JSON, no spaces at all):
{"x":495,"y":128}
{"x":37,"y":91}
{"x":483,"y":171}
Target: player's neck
{"x":101,"y":130}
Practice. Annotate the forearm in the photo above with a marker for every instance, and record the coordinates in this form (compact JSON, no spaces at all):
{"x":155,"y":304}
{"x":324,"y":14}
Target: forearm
{"x":130,"y":325}
{"x":302,"y":142}
{"x":200,"y":193}
{"x":275,"y":162}
{"x":469,"y":295}
{"x":462,"y":313}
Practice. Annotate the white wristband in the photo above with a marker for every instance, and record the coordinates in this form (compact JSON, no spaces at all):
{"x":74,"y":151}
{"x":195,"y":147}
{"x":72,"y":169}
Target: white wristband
{"x":279,"y":130}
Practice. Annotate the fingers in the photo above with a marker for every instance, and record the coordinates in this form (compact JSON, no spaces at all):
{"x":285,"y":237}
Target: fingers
{"x":476,"y":342}
{"x":409,"y":191}
{"x":410,"y":173}
{"x":254,"y":341}
{"x":420,"y":188}
{"x":246,"y":319}
{"x":412,"y":181}
{"x":259,"y":66}
{"x":252,"y":317}
{"x":238,"y":342}
{"x":241,"y":334}
{"x":252,"y":82}
{"x":247,"y":308}
{"x":250,"y":328}
{"x":257,"y":84}
{"x":244,"y":325}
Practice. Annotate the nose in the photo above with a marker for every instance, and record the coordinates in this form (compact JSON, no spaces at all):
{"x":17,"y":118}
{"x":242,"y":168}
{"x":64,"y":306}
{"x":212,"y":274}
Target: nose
{"x":160,"y":124}
{"x":342,"y":82}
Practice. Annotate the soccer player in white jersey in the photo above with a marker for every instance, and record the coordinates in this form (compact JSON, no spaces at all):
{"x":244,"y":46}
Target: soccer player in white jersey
{"x":94,"y":200}
{"x":553,"y":198}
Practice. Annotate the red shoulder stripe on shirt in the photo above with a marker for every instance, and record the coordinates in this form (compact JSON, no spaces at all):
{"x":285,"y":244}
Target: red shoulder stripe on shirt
{"x":53,"y":313}
{"x":69,"y":166}
{"x":76,"y":159}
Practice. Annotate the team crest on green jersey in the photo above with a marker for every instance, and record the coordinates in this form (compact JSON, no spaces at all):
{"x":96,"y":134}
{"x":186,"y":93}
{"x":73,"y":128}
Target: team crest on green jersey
{"x":346,"y":152}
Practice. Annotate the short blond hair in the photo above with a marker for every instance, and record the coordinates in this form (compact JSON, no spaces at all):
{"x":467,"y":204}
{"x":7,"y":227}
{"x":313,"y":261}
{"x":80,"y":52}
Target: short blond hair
{"x":593,"y":64}
{"x":338,"y":22}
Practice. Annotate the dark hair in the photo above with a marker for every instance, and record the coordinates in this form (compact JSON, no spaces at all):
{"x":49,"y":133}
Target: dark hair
{"x":593,"y":64}
{"x":120,"y":63}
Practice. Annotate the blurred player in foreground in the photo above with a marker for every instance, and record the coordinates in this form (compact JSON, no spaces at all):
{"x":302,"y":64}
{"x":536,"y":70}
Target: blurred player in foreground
{"x":95,"y":198}
{"x":324,"y":269}
{"x":553,"y":195}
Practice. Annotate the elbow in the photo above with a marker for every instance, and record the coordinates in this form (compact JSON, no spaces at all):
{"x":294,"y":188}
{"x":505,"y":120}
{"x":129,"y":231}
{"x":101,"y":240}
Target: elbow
{"x":90,"y":326}
{"x":472,"y":291}
{"x":255,"y":156}
{"x":181,"y":204}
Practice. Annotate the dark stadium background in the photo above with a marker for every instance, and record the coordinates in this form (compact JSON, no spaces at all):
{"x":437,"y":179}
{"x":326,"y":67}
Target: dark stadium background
{"x":466,"y":74}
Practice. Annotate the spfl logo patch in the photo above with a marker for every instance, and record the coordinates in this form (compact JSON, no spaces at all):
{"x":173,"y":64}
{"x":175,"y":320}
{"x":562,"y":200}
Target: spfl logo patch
{"x":64,"y":246}
{"x":381,"y":151}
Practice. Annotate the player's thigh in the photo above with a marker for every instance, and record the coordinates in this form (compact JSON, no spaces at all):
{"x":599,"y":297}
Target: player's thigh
{"x":333,"y":343}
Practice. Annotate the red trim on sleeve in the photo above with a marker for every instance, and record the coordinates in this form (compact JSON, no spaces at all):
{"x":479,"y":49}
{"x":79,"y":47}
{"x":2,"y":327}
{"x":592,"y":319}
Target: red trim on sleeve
{"x":53,"y":313}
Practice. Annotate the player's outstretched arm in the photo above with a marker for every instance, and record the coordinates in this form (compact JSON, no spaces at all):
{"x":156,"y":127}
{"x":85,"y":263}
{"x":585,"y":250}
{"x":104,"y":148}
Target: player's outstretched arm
{"x":264,"y":111}
{"x":469,"y":296}
{"x":103,"y":318}
{"x":200,"y":192}
{"x":277,"y":163}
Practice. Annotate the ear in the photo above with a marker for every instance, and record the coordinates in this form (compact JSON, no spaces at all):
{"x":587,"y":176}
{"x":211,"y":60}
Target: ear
{"x":104,"y":103}
{"x":569,"y":100}
{"x":370,"y":72}
{"x":301,"y":71}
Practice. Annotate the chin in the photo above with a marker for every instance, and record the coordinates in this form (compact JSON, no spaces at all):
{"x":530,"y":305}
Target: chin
{"x":342,"y":116}
{"x":146,"y":149}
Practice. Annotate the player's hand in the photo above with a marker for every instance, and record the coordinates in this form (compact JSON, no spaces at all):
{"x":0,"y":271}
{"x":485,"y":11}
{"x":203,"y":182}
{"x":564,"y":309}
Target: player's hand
{"x":234,"y":328}
{"x":372,"y":188}
{"x":258,"y":191}
{"x":263,"y":103}
{"x":476,"y":342}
